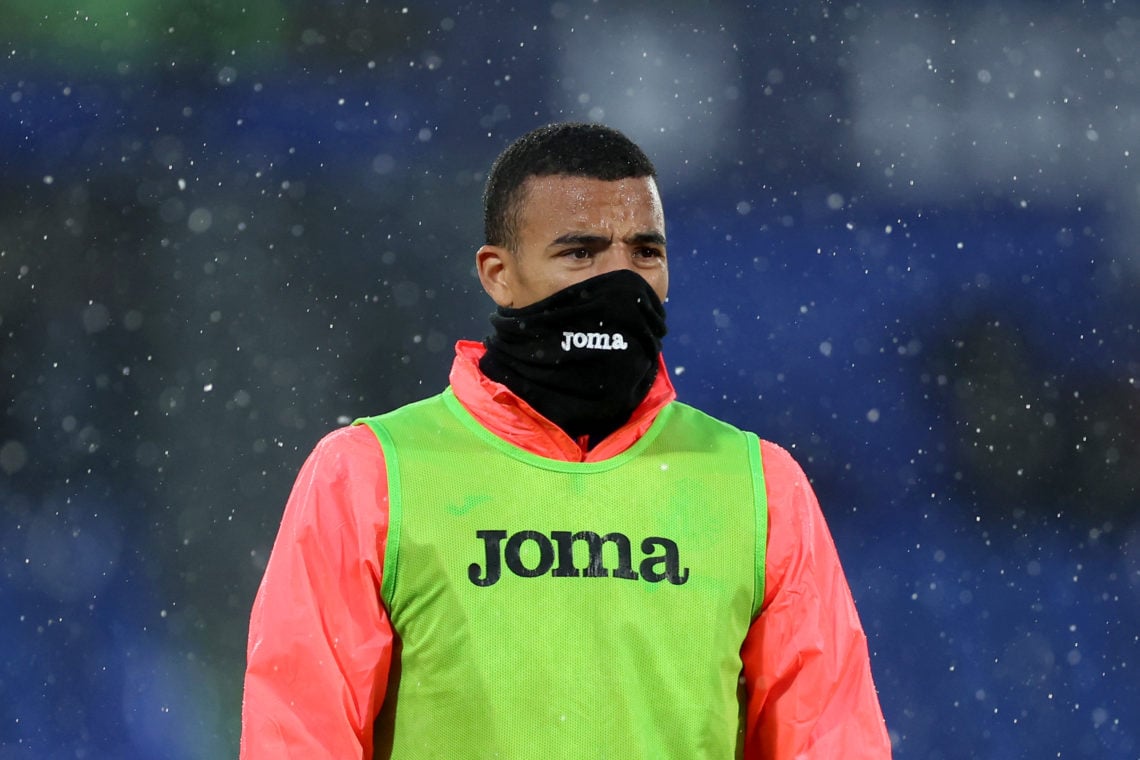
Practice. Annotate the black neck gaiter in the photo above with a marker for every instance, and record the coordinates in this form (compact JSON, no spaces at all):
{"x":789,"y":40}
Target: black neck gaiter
{"x":584,"y":357}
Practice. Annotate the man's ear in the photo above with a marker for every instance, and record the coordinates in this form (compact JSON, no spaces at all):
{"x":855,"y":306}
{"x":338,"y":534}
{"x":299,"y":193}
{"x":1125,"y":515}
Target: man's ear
{"x":494,"y":264}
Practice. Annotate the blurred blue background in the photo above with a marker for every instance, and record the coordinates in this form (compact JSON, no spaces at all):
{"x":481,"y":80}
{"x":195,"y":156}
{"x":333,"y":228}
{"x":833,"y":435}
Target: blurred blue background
{"x":903,"y":243}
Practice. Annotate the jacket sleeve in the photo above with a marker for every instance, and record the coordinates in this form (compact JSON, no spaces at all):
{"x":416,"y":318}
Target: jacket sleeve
{"x":320,"y":642}
{"x":807,"y":671}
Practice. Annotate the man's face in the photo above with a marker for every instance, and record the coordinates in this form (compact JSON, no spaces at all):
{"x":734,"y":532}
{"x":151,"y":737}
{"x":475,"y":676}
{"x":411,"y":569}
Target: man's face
{"x":573,"y":228}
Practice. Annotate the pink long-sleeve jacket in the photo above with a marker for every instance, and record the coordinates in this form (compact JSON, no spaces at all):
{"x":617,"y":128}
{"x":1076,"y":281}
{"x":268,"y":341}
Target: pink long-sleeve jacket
{"x":321,"y":643}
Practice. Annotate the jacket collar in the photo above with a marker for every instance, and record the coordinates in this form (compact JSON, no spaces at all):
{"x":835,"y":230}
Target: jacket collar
{"x":506,"y":415}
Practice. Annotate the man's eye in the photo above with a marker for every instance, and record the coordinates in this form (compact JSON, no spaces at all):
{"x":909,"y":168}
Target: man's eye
{"x":650,"y":252}
{"x":577,"y":253}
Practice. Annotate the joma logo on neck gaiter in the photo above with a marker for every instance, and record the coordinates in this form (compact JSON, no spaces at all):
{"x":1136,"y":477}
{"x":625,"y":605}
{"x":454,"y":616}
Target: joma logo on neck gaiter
{"x":603,"y":341}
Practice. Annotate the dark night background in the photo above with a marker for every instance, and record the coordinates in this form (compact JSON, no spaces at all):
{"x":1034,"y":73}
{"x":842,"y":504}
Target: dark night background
{"x":903,"y":244}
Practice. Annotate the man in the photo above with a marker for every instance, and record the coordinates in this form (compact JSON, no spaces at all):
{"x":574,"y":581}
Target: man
{"x":554,"y":558}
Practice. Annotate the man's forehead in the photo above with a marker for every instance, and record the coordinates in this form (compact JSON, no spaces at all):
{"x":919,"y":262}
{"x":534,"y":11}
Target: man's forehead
{"x":574,"y":194}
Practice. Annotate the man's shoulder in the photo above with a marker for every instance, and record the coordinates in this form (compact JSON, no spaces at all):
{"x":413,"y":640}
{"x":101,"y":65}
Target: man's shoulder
{"x":410,"y":408}
{"x":692,"y":415}
{"x":773,"y":454}
{"x":352,"y":439}
{"x":361,"y":433}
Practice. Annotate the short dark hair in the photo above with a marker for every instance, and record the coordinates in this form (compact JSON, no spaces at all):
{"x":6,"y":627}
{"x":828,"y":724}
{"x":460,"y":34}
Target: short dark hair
{"x":583,"y":150}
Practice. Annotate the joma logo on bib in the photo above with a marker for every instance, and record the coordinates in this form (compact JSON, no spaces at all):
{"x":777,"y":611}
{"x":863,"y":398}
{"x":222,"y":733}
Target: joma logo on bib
{"x":661,"y":562}
{"x":603,"y":341}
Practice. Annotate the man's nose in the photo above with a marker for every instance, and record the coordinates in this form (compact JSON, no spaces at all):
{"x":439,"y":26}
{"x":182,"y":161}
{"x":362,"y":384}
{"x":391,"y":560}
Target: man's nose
{"x":620,"y":257}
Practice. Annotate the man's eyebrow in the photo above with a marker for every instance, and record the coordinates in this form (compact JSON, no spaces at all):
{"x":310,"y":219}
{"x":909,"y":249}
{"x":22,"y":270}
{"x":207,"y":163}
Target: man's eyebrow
{"x":592,"y":240}
{"x":642,"y":238}
{"x":581,"y":238}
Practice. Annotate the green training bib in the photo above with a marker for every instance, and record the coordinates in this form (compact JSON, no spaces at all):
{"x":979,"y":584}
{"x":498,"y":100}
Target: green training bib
{"x":550,"y":609}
